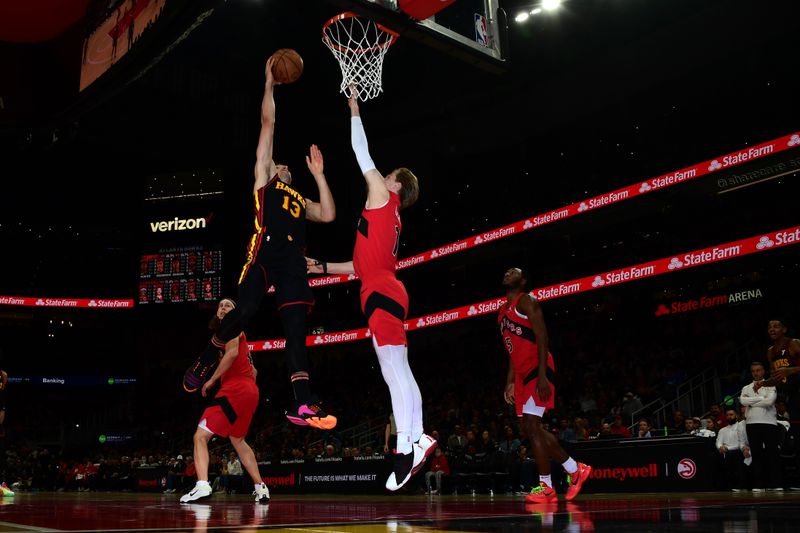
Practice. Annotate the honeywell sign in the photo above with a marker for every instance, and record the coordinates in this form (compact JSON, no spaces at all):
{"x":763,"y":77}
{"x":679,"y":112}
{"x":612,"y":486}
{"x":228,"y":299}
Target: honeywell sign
{"x":178,"y":224}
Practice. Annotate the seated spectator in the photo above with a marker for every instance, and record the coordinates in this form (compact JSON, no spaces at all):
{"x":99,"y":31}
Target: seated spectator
{"x":718,"y":415}
{"x":619,"y":429}
{"x":565,"y":431}
{"x":679,"y":424}
{"x":710,"y":430}
{"x":233,"y":480}
{"x":605,"y":432}
{"x":439,"y":467}
{"x":644,"y":429}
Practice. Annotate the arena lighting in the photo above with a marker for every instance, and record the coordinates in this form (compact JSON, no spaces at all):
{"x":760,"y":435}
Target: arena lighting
{"x":551,"y":5}
{"x":546,"y":5}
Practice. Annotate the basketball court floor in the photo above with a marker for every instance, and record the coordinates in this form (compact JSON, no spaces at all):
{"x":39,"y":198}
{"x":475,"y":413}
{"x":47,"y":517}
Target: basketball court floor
{"x":744,"y":512}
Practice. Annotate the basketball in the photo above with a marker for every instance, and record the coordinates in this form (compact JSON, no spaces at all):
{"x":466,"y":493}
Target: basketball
{"x":288,"y":65}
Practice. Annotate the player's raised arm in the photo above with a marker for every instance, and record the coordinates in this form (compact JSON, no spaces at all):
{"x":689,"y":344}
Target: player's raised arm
{"x":325,"y":209}
{"x":265,"y":167}
{"x":377,"y":193}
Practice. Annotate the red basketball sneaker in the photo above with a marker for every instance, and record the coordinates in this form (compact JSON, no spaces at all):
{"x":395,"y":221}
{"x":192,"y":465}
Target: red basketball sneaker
{"x":541,"y":494}
{"x":575,"y":481}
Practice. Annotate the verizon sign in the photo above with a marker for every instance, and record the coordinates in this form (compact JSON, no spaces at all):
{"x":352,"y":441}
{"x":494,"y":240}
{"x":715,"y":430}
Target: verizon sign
{"x":178,"y":224}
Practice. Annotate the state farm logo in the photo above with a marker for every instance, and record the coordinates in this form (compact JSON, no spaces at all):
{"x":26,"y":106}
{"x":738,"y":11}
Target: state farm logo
{"x":662,"y":310}
{"x":318,"y":340}
{"x":351,"y":277}
{"x":686,"y":468}
{"x":472,"y":311}
{"x":420,"y":323}
{"x":598,"y":282}
{"x":274,"y":345}
{"x":527,"y":225}
{"x":674,"y":263}
{"x":794,"y":141}
{"x":92,"y":303}
{"x":434,"y":254}
{"x":765,"y":242}
{"x":368,"y":334}
{"x":645,"y":187}
{"x":478,"y":240}
{"x":715,"y":165}
{"x":39,"y":302}
{"x":583,"y":207}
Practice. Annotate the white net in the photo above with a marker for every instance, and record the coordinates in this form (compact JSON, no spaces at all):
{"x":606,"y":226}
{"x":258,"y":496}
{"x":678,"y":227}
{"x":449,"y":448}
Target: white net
{"x":359,"y":45}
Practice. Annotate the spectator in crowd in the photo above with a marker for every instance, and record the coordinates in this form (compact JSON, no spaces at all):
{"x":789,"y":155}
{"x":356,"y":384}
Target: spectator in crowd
{"x":710,"y":429}
{"x":716,"y":413}
{"x":457,"y":442}
{"x":732,"y":449}
{"x":631,"y":404}
{"x":175,"y":467}
{"x":762,"y":432}
{"x":619,"y":429}
{"x":678,"y":423}
{"x":565,"y":431}
{"x":235,"y":474}
{"x":605,"y":432}
{"x":439,"y":467}
{"x":644,"y":429}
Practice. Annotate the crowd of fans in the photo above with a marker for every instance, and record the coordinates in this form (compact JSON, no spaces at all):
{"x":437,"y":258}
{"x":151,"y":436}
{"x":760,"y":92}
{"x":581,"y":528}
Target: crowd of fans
{"x":600,"y":396}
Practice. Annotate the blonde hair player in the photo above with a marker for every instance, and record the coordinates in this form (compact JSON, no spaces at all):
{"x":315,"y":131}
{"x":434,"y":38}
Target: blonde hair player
{"x":384,"y":299}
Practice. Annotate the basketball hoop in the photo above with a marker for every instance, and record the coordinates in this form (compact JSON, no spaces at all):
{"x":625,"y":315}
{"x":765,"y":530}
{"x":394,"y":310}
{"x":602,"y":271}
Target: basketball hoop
{"x":358,"y":44}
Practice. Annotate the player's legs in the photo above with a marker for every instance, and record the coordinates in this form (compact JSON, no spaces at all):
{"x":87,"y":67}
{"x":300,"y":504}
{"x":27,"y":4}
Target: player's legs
{"x":393,"y":361}
{"x":201,"y":438}
{"x":416,"y":400}
{"x":201,"y":489}
{"x":293,"y":319}
{"x":250,"y":464}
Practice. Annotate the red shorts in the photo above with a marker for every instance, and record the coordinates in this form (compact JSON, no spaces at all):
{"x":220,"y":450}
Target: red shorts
{"x":385,"y":303}
{"x":522,"y":393}
{"x":232,"y":409}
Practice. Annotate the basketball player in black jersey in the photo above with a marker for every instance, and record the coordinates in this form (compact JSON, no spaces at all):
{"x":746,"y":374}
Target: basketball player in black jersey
{"x":275,"y":256}
{"x":784,"y":363}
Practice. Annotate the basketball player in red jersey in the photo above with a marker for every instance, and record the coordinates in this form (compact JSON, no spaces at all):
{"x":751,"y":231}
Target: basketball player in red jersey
{"x":529,"y":387}
{"x":384,"y":299}
{"x":229,"y":413}
{"x":276,"y":256}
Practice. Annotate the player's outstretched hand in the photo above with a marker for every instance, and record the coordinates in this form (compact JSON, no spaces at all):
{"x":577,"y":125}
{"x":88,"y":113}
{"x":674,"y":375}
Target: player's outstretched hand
{"x":268,"y":72}
{"x":314,"y":160}
{"x":314,"y":267}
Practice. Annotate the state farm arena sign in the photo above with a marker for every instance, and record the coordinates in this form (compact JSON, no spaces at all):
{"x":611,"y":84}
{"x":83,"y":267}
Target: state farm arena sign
{"x":708,"y":301}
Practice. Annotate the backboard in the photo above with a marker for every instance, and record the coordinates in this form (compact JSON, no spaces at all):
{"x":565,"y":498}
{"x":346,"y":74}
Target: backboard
{"x":472,"y":30}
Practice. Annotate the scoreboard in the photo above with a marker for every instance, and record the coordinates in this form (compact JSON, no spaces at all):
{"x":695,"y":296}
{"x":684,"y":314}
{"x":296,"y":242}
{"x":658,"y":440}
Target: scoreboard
{"x":189,"y":274}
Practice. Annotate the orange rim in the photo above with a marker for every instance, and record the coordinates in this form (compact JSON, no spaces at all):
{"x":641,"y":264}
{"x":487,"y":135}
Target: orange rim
{"x":351,"y":14}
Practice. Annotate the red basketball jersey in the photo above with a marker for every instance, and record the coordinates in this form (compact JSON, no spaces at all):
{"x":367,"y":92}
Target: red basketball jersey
{"x":378,"y":240}
{"x":519,"y":340}
{"x":242,"y":367}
